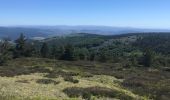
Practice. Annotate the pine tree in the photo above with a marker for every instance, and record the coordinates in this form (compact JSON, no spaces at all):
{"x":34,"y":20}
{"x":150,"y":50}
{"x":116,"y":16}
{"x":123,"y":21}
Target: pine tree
{"x":20,"y":46}
{"x":5,"y":54}
{"x":29,"y":50}
{"x":44,"y":50}
{"x":133,"y":59}
{"x":92,"y":57}
{"x":68,"y":53}
{"x":83,"y":54}
{"x":148,"y":58}
{"x":54,"y":52}
{"x":103,"y":57}
{"x":60,"y":52}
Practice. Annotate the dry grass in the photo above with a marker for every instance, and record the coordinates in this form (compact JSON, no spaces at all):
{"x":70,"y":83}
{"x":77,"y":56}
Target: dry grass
{"x":44,"y":79}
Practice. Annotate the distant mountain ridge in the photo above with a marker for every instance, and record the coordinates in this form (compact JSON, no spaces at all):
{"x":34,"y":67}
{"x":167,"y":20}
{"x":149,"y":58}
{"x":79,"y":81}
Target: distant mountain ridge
{"x":50,"y":31}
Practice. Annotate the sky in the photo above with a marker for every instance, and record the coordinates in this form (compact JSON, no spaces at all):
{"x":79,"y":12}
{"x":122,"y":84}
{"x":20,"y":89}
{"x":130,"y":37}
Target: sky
{"x":119,"y":13}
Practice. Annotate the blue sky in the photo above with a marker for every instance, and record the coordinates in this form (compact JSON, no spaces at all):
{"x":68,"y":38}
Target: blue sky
{"x":126,"y":13}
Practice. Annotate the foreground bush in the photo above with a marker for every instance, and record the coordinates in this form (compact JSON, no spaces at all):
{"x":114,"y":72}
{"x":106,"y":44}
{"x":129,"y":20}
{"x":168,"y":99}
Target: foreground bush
{"x":153,"y":87}
{"x":86,"y":93}
{"x":47,"y":81}
{"x":70,"y":79}
{"x":55,"y":74}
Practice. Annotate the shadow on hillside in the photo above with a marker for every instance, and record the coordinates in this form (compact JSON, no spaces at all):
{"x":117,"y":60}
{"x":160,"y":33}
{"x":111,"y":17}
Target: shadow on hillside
{"x":7,"y":71}
{"x":86,"y":93}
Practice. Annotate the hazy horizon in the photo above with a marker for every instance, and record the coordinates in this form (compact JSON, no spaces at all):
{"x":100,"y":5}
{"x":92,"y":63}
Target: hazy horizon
{"x":114,"y":13}
{"x":125,"y":27}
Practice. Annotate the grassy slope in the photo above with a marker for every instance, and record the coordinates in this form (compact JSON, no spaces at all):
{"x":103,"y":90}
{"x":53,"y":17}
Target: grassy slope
{"x":19,"y":79}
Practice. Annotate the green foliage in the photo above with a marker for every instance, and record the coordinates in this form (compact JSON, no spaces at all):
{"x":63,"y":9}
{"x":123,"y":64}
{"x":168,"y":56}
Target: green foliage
{"x":44,"y":50}
{"x":20,"y":46}
{"x":5,"y":53}
{"x":122,"y":53}
{"x":5,"y":57}
{"x":158,"y":42}
{"x":81,"y":53}
{"x":57,"y":52}
{"x":68,"y":53}
{"x":102,"y":55}
{"x":92,"y":56}
{"x":156,"y":88}
{"x":70,"y":79}
{"x":53,"y":52}
{"x":30,"y":50}
{"x":87,"y":93}
{"x":23,"y":48}
{"x":148,"y":58}
{"x":134,"y":59}
{"x":47,"y":81}
{"x":116,"y":49}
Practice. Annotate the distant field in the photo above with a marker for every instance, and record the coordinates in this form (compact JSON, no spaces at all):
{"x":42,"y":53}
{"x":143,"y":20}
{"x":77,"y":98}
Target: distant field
{"x":44,"y":79}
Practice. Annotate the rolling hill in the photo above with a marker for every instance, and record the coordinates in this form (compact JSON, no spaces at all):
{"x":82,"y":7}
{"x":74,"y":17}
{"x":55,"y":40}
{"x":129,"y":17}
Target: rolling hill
{"x":50,"y":31}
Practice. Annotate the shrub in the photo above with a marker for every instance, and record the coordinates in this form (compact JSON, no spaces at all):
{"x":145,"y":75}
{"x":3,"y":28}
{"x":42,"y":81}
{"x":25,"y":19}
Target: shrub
{"x":87,"y":75}
{"x":118,"y":76}
{"x":70,"y":79}
{"x":55,"y":74}
{"x":47,"y":81}
{"x":23,"y":81}
{"x":39,"y":69}
{"x":71,"y":73}
{"x":86,"y":93}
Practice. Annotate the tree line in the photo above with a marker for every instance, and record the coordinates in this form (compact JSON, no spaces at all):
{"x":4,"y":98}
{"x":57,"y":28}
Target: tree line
{"x":116,"y":52}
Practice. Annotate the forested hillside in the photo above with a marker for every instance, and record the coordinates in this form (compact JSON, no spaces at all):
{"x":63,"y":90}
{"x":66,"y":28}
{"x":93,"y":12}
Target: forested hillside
{"x":132,"y":66}
{"x":113,"y":48}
